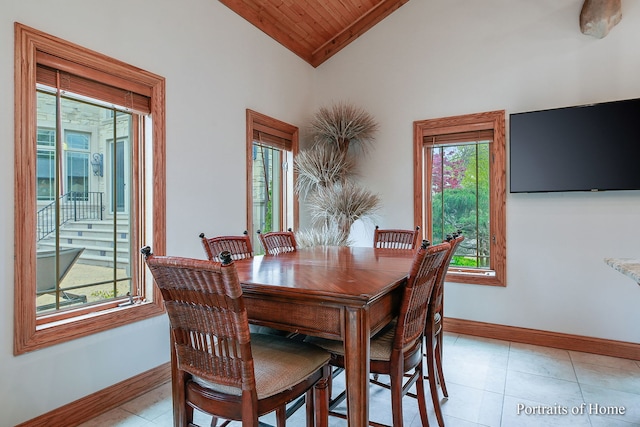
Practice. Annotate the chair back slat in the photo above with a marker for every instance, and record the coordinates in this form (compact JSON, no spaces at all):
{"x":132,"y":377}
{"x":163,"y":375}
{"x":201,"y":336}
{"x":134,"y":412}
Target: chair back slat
{"x":417,"y":293}
{"x":438,"y":290}
{"x":277,"y":242}
{"x":208,"y":318}
{"x":239,"y":246}
{"x":395,"y":238}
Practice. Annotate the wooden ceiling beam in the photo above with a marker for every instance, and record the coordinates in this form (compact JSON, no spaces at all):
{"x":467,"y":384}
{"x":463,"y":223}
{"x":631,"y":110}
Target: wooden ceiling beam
{"x":315,"y":30}
{"x":258,"y":16}
{"x":383,"y":9}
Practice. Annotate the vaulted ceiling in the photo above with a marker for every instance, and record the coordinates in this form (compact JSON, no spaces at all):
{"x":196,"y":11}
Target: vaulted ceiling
{"x":315,"y":30}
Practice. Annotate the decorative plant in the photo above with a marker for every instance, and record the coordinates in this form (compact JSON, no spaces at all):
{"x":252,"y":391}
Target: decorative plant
{"x":344,"y":125}
{"x":326,"y":174}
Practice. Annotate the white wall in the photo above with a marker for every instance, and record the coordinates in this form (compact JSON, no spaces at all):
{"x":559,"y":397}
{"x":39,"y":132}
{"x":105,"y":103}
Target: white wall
{"x":216,"y":65}
{"x":429,"y":59}
{"x":439,"y":58}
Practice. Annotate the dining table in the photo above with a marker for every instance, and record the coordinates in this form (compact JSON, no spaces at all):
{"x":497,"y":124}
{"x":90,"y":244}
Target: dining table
{"x":343,"y":293}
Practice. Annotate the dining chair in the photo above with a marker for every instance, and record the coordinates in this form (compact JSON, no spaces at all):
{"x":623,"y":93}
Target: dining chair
{"x":434,"y":329}
{"x":395,"y":238}
{"x":397,"y":349}
{"x":277,"y":242}
{"x":239,"y":246}
{"x":220,"y":368}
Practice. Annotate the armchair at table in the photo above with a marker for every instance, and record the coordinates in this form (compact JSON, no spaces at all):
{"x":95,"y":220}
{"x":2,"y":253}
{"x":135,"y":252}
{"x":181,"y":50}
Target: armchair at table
{"x":218,"y":366}
{"x":434,"y":329}
{"x":397,"y":349}
{"x":395,"y":238}
{"x":239,"y":246}
{"x":277,"y":242}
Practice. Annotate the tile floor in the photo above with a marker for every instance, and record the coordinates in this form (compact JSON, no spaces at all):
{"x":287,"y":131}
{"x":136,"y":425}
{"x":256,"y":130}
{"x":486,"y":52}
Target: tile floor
{"x":490,"y":383}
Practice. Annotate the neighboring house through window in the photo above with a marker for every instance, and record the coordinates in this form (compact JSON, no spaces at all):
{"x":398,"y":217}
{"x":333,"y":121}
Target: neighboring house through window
{"x":78,"y":268}
{"x":459,"y":179}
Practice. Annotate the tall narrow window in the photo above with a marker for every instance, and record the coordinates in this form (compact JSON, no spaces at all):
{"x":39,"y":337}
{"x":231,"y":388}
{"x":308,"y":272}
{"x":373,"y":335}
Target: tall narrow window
{"x":459,"y":180}
{"x":80,"y":235}
{"x":81,"y":215}
{"x":271,"y":145}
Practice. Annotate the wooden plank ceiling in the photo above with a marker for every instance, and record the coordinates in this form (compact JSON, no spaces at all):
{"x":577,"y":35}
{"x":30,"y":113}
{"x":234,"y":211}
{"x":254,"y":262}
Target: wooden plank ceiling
{"x":315,"y":30}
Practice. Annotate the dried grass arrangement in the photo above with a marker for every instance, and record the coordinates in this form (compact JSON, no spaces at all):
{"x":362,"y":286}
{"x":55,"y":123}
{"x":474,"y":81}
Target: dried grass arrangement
{"x":327,"y":171}
{"x":321,"y":166}
{"x":342,"y":204}
{"x":344,"y":125}
{"x":323,"y":235}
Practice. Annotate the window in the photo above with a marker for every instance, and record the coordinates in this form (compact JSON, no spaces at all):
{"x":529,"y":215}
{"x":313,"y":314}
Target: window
{"x":459,"y":181}
{"x":78,"y":268}
{"x":76,"y":169}
{"x":46,"y":141}
{"x":271,"y":145}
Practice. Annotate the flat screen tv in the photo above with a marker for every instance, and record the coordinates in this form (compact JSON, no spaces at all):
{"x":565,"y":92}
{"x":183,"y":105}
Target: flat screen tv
{"x":584,"y":148}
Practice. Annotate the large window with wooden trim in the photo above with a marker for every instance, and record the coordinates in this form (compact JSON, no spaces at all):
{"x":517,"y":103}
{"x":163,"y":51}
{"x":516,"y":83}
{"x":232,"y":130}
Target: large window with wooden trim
{"x":272,"y":204}
{"x":459,"y":180}
{"x":89,"y":185}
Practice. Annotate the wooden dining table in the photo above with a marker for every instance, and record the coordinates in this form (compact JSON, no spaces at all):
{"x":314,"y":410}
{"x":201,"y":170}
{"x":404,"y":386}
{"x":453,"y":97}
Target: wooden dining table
{"x":341,"y":293}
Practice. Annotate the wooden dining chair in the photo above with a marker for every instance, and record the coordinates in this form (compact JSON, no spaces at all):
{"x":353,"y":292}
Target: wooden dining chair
{"x":219,"y":367}
{"x":277,"y":242}
{"x":395,"y":238}
{"x":434,"y":329}
{"x":397,"y":349}
{"x":239,"y":246}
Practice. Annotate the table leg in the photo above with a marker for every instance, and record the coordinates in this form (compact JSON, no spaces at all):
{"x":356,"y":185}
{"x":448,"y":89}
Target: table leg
{"x":356,"y":350}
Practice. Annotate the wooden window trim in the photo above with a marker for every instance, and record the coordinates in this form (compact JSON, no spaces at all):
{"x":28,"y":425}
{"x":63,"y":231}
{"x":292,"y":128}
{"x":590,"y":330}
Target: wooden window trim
{"x":257,"y":122}
{"x":28,"y":335}
{"x":494,"y":120}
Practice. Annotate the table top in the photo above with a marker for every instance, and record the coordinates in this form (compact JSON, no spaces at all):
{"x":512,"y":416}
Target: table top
{"x":628,"y":266}
{"x":349,"y":273}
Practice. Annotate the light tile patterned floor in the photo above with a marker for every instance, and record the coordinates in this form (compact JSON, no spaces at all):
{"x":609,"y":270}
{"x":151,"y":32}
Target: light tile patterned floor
{"x":490,"y":382}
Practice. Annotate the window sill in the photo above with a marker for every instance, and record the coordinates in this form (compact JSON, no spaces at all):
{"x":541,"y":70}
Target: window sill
{"x":70,"y":328}
{"x":475,"y":277}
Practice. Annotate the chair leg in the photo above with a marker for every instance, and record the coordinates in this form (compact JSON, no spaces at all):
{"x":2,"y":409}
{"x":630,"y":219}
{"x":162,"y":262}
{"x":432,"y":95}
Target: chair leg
{"x":189,"y":412}
{"x":181,"y":410}
{"x":396,"y":395}
{"x":281,"y":416}
{"x":433,"y":382}
{"x":321,"y":399}
{"x":420,"y":391}
{"x":438,"y":354}
{"x":309,"y":407}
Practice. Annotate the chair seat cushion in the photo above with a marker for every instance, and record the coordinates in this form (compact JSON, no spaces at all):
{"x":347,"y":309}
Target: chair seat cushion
{"x":279,"y":364}
{"x":381,"y":343}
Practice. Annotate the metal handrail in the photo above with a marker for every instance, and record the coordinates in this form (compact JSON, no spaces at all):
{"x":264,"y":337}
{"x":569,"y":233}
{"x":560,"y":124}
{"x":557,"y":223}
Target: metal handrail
{"x":74,"y":206}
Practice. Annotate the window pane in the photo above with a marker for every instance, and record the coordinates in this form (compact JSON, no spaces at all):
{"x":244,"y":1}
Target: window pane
{"x":267,"y":190}
{"x":83,"y":244}
{"x":460,"y":200}
{"x":77,"y":141}
{"x":77,"y":171}
{"x":46,"y":137}
{"x":46,"y":174}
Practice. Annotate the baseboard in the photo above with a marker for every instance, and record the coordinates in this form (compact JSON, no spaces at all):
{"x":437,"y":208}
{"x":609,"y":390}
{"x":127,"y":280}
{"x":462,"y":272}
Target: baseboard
{"x":91,"y":406}
{"x":102,"y":401}
{"x":625,"y":350}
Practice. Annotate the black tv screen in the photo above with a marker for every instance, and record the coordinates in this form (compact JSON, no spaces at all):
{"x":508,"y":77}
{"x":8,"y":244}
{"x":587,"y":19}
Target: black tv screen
{"x":584,"y":148}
